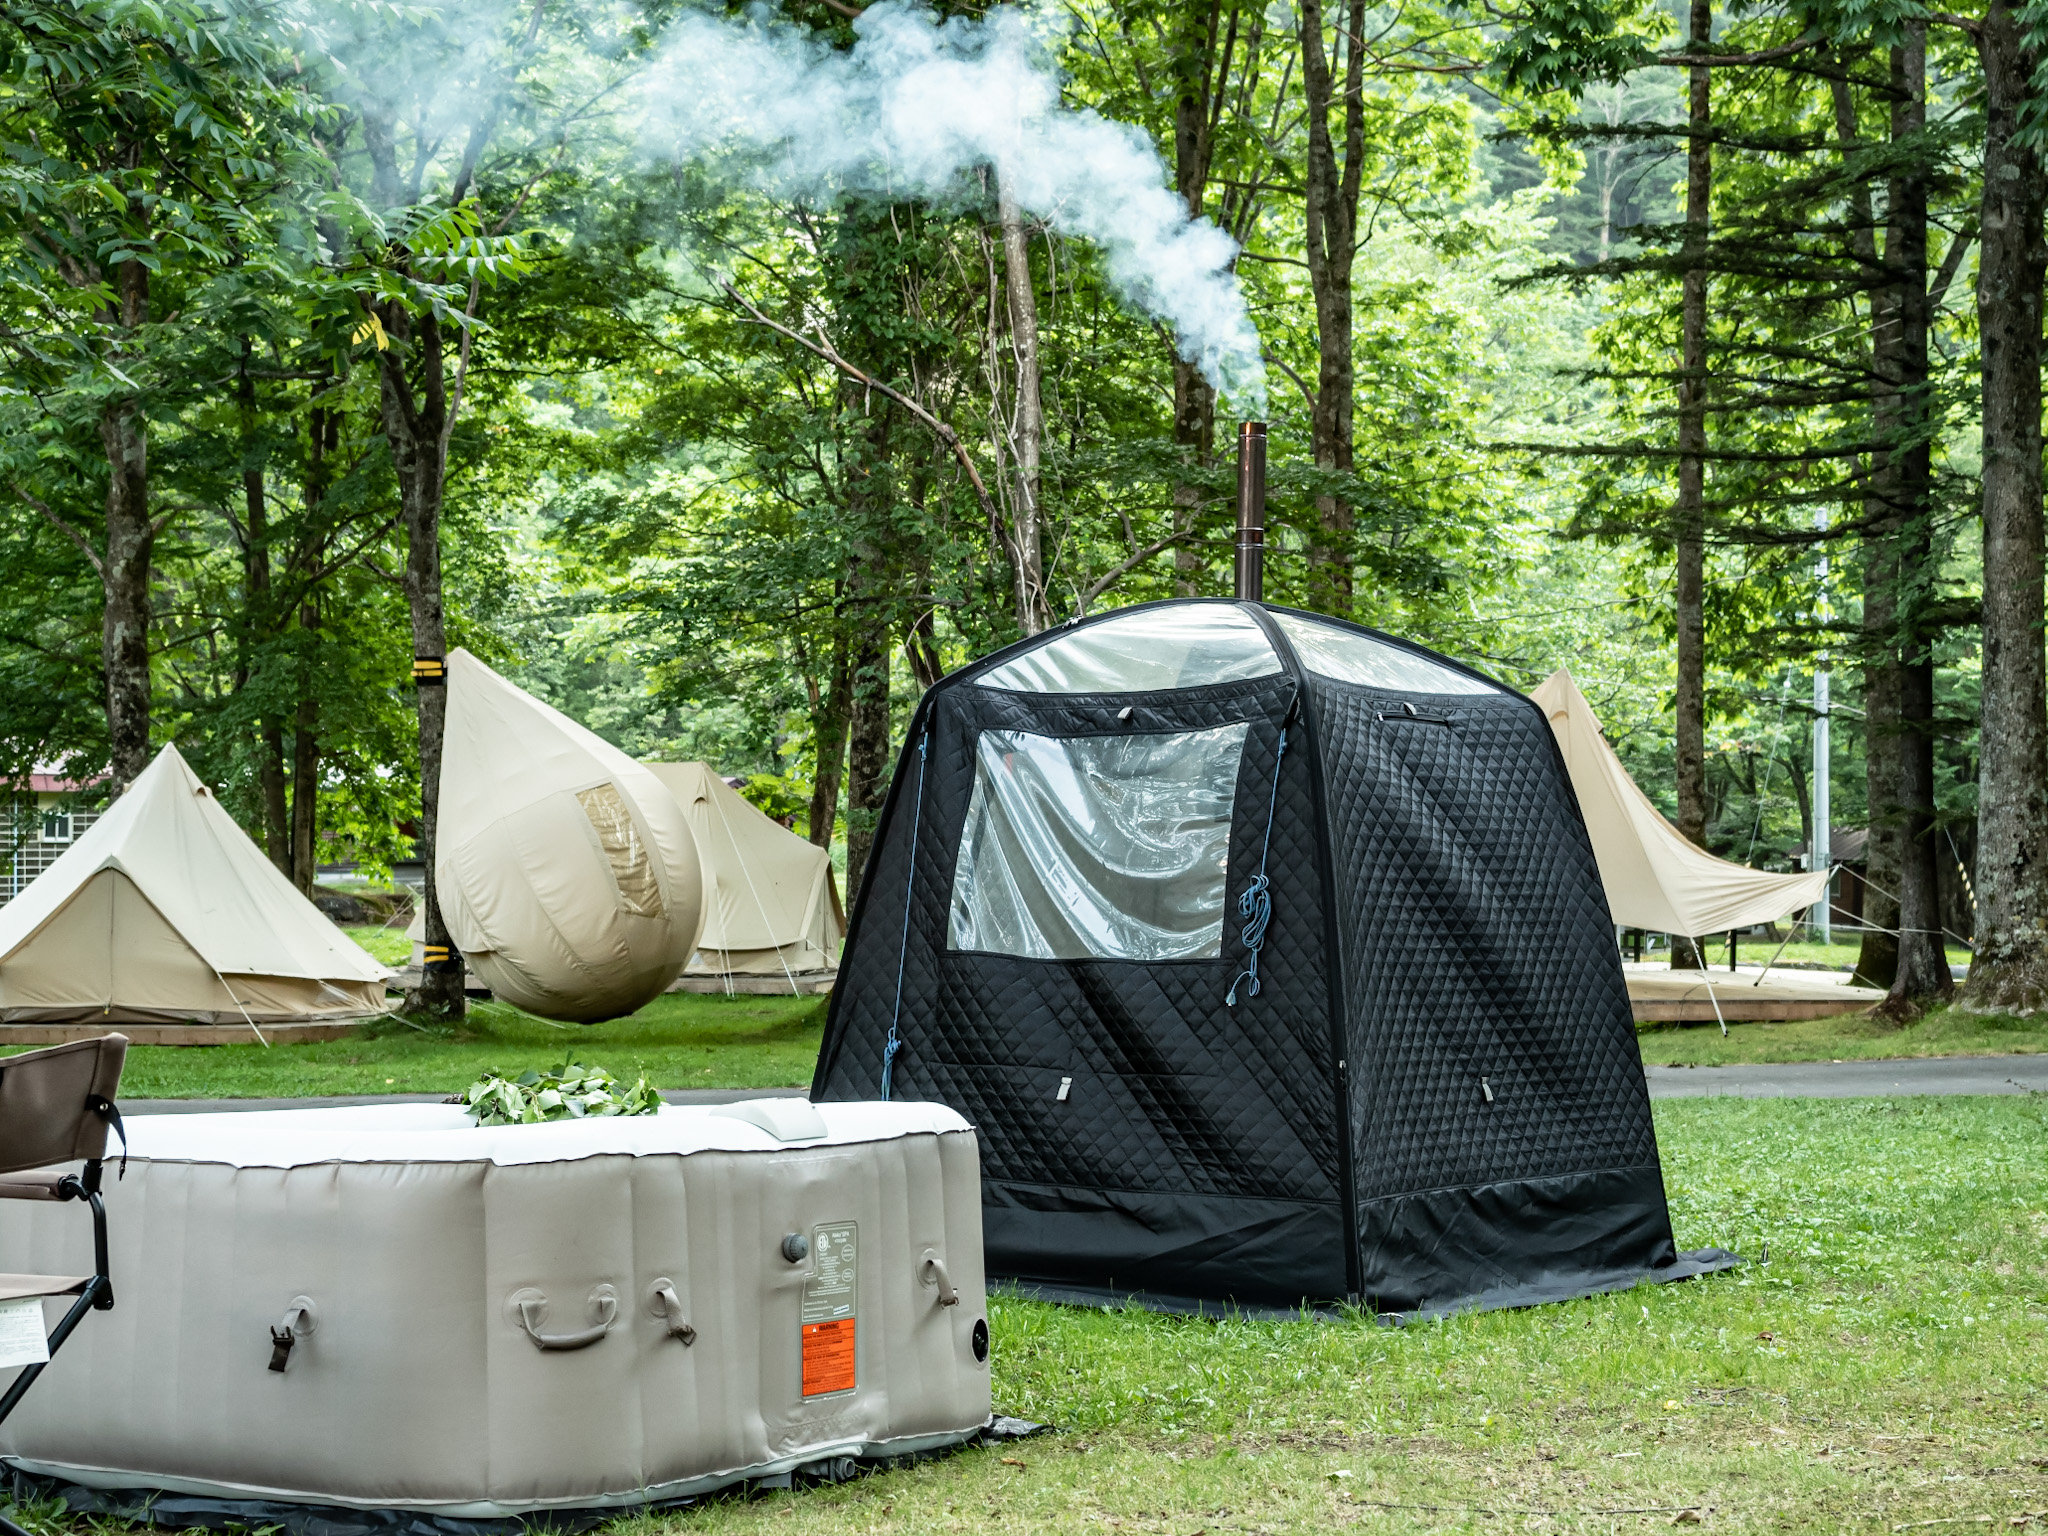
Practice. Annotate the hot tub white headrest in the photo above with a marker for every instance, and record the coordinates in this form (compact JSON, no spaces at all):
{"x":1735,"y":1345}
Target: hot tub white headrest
{"x":784,"y":1119}
{"x":444,"y":1133}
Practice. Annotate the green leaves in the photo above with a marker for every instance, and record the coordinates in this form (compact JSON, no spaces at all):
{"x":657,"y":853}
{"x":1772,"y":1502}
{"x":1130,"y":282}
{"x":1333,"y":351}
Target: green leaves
{"x":1566,"y":45}
{"x":565,"y":1092}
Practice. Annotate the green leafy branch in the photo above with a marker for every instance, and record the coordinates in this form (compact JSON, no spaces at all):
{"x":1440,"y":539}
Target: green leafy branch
{"x":565,"y":1092}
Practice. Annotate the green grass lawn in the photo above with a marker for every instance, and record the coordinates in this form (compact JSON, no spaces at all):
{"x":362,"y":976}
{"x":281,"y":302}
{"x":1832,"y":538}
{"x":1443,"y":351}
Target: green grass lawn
{"x":388,"y":944}
{"x":1888,"y":1365}
{"x":679,"y":1040}
{"x":1840,"y":955}
{"x":1847,"y":1037}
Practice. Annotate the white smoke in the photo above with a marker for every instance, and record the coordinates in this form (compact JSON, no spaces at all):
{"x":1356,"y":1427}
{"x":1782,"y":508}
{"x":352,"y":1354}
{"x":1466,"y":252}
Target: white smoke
{"x":914,"y":107}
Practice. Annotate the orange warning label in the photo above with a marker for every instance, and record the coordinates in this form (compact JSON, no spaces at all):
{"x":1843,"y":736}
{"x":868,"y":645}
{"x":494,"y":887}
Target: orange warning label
{"x":828,"y":1357}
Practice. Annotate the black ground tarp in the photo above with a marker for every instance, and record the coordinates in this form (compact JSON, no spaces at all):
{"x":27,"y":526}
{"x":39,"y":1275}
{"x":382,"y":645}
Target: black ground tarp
{"x":1435,"y":1100}
{"x":183,"y":1511}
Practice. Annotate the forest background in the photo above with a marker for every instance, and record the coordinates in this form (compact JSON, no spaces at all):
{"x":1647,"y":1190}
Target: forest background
{"x":1688,"y":346}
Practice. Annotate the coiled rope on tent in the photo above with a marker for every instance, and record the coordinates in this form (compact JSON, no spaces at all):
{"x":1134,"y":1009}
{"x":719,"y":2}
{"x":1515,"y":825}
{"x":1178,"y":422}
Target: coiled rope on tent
{"x":1255,"y":901}
{"x":895,"y":1042}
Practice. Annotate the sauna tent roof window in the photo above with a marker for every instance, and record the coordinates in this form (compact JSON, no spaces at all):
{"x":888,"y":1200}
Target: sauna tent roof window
{"x":1347,"y":656}
{"x":1189,"y":646}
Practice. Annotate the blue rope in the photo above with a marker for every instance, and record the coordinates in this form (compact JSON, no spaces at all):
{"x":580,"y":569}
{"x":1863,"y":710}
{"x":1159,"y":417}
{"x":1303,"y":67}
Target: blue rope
{"x":1255,"y":901}
{"x":895,"y":1042}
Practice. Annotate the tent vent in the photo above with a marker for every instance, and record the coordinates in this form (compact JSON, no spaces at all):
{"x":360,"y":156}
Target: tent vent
{"x":1066,"y":1089}
{"x":1409,"y":712}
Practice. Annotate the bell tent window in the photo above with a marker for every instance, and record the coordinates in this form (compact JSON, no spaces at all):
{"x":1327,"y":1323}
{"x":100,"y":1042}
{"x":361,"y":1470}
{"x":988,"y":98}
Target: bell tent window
{"x":1157,"y":648}
{"x":1097,"y":847}
{"x":1347,"y":656}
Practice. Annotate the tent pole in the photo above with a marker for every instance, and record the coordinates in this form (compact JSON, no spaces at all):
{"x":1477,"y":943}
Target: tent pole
{"x":1251,"y":512}
{"x":1798,"y":923}
{"x":1707,"y":981}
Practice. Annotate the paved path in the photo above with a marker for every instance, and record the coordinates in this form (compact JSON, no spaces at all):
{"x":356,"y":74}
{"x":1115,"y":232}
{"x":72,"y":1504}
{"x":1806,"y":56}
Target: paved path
{"x":1853,"y":1079}
{"x":211,"y":1106}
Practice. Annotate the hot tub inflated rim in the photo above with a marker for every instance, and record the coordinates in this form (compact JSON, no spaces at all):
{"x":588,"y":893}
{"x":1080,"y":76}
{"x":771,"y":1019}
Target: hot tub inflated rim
{"x":444,"y":1133}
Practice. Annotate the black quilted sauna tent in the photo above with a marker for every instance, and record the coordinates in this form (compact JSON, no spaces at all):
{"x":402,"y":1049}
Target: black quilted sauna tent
{"x":1268,"y":955}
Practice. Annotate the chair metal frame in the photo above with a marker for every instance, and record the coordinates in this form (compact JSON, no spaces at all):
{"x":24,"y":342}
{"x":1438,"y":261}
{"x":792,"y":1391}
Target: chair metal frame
{"x":98,"y":1295}
{"x":94,"y":1292}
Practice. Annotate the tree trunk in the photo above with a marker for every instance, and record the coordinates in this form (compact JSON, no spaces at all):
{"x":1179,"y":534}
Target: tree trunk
{"x":1033,"y":611}
{"x":1330,"y":205}
{"x":1193,"y":45}
{"x":412,"y":383}
{"x":1877,"y":960}
{"x":1689,"y":515}
{"x":413,"y":423}
{"x":1922,"y":975}
{"x":829,"y":711}
{"x":1802,"y":797}
{"x":323,"y":435}
{"x":256,"y":620}
{"x":270,"y":775}
{"x":1194,"y":431}
{"x":131,"y":541}
{"x":2010,"y":968}
{"x":306,"y":772}
{"x":922,"y":645}
{"x":867,"y":750}
{"x":1922,"y":972}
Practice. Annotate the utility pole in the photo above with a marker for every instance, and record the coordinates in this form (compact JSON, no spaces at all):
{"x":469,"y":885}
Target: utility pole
{"x":1820,"y":852}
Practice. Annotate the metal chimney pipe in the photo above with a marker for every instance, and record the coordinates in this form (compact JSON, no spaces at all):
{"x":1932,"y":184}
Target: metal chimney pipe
{"x":1251,"y":511}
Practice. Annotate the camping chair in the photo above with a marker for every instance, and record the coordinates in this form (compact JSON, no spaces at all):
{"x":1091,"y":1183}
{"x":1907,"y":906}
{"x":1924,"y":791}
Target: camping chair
{"x":56,"y":1106}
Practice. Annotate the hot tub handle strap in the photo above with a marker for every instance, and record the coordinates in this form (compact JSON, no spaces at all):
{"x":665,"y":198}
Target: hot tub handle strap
{"x":668,"y":1306}
{"x":931,"y":1270}
{"x":533,"y":1309}
{"x":300,"y":1319}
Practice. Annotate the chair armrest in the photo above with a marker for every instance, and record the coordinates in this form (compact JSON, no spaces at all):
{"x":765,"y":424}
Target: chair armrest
{"x":40,"y":1185}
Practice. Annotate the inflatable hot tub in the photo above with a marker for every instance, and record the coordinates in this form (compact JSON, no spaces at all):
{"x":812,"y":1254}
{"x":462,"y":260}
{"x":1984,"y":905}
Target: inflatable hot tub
{"x":390,"y":1308}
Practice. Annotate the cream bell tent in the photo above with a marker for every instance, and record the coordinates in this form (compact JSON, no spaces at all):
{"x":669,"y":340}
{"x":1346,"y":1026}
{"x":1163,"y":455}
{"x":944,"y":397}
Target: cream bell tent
{"x":565,"y":870}
{"x":1655,"y":877}
{"x":770,"y":907}
{"x":164,"y":912}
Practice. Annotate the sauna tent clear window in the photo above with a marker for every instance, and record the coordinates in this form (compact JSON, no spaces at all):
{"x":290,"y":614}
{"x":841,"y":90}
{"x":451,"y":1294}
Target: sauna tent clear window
{"x":1189,"y":646}
{"x":1097,"y":847}
{"x":1349,"y":657}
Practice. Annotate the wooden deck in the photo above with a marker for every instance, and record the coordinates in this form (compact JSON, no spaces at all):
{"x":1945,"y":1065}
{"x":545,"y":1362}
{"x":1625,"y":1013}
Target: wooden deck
{"x":802,"y":984}
{"x":1660,"y":995}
